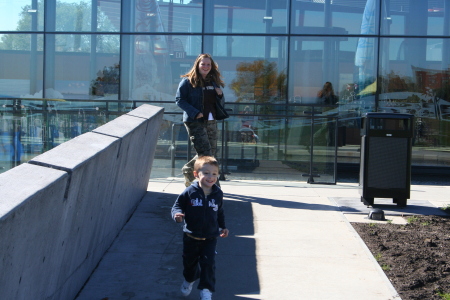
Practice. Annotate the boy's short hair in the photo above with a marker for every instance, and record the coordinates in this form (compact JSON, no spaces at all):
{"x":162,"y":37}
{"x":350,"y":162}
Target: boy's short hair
{"x":203,"y":160}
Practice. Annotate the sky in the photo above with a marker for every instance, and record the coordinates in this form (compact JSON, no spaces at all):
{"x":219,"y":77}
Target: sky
{"x":10,"y":10}
{"x":9,"y":13}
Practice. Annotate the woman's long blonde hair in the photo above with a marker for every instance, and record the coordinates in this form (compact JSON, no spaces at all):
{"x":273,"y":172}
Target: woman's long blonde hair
{"x":195,"y":78}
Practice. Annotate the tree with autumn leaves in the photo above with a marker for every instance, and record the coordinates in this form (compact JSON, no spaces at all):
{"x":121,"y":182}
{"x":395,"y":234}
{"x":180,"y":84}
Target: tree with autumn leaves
{"x":261,"y":79}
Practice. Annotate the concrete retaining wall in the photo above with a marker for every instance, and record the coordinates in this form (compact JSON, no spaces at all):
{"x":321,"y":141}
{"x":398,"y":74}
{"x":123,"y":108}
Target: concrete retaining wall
{"x":61,"y":211}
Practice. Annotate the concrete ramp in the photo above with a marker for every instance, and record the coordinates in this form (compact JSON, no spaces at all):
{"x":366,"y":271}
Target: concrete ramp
{"x":61,"y":211}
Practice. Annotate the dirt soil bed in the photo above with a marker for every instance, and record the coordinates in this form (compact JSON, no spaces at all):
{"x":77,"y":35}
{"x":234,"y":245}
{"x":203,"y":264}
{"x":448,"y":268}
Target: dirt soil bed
{"x":415,"y":256}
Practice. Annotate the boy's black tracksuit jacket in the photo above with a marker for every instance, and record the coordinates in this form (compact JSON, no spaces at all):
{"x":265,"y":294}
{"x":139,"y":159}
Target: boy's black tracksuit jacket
{"x":203,"y":216}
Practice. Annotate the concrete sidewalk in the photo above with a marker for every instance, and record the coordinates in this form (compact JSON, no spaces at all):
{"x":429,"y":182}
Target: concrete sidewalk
{"x":288,"y":240}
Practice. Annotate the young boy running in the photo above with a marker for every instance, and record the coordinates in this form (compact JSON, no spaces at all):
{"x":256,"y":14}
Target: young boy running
{"x":201,"y":207}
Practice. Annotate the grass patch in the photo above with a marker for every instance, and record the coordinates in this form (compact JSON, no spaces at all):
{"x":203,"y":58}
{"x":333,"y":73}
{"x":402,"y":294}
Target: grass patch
{"x":377,"y":256}
{"x":412,"y":219}
{"x":445,"y":296}
{"x":446,"y":208}
{"x":385,"y":267}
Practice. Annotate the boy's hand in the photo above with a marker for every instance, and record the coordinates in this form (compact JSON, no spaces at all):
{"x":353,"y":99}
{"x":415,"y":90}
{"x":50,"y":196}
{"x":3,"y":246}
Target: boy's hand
{"x":179,"y":217}
{"x":224,"y":233}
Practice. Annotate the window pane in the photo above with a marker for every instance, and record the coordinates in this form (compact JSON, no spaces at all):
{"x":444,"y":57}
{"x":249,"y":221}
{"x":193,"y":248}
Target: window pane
{"x":108,"y":15}
{"x":76,"y":15}
{"x":334,"y":17}
{"x":258,"y":75}
{"x":246,"y":17}
{"x":153,"y":69}
{"x":415,"y":18}
{"x":180,"y":16}
{"x":82,"y":66}
{"x":348,"y":63}
{"x":84,"y":43}
{"x":238,"y":46}
{"x":255,"y":91}
{"x":21,"y":61}
{"x":164,"y":16}
{"x":21,"y":15}
{"x":414,"y":78}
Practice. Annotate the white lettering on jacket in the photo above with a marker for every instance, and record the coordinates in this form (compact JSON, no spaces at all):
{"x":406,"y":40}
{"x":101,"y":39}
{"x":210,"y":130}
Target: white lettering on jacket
{"x":196,"y":202}
{"x":212,"y":203}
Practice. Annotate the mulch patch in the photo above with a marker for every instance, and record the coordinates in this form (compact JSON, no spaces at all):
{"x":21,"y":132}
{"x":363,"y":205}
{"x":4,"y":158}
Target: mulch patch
{"x":415,"y":257}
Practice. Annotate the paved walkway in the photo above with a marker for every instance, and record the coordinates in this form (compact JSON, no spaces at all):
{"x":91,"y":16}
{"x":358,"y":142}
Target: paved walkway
{"x":288,"y":240}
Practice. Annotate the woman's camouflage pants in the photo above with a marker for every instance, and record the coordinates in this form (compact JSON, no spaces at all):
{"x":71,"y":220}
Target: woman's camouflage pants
{"x":203,"y":135}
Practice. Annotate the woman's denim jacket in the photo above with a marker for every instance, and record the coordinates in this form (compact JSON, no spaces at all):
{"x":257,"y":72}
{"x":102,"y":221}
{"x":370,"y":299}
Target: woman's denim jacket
{"x":190,"y":99}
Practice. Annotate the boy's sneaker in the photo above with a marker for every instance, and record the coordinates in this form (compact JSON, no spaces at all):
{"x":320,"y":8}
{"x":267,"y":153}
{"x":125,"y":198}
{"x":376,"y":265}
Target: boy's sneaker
{"x":186,"y":288}
{"x":205,"y":294}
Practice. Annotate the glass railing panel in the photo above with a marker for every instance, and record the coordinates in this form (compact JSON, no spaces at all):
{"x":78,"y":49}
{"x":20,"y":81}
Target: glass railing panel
{"x":30,"y":127}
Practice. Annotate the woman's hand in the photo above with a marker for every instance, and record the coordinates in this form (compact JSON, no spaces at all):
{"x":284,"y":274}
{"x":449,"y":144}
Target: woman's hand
{"x":219,"y":91}
{"x":199,"y":115}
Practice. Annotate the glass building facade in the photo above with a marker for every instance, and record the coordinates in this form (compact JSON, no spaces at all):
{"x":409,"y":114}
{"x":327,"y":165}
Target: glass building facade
{"x":68,"y":66}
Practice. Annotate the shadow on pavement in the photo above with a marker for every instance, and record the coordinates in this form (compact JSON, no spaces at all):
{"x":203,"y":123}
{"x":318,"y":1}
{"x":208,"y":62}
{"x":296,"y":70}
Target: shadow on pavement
{"x":282,"y":203}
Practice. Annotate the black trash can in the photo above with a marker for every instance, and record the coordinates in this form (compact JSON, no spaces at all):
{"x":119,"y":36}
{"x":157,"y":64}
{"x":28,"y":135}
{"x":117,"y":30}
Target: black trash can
{"x":386,"y":145}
